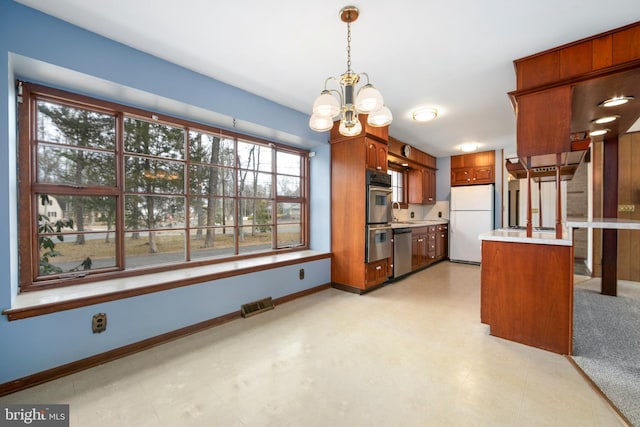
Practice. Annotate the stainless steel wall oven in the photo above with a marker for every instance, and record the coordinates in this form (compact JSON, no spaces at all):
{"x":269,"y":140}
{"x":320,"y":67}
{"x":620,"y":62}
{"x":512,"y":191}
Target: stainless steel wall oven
{"x":379,"y":233}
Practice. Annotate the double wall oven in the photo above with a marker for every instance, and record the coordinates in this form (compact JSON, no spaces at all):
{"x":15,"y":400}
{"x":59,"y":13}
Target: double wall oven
{"x":379,"y":233}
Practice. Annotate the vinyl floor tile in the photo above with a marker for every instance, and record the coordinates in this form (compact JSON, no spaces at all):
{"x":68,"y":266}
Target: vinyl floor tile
{"x":412,"y":353}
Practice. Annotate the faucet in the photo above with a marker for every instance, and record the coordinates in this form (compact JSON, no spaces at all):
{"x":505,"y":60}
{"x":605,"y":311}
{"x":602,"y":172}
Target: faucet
{"x":393,"y":205}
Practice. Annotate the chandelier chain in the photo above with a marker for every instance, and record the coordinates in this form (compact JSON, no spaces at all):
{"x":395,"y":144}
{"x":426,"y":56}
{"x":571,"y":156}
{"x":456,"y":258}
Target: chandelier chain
{"x":348,"y":47}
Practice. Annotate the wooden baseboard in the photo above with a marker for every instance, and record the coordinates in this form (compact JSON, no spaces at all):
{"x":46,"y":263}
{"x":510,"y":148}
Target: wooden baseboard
{"x":99,"y":359}
{"x":354,"y":290}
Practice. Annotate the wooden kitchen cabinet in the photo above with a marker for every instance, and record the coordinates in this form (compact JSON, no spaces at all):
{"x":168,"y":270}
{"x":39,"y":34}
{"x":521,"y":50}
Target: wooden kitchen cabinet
{"x":473,"y":168}
{"x":442,"y":242}
{"x":351,"y":157}
{"x":376,"y":155}
{"x":376,"y":273}
{"x":419,"y":239}
{"x":428,"y":245}
{"x":422,"y":186}
{"x":526,"y":293}
{"x":431,"y":244}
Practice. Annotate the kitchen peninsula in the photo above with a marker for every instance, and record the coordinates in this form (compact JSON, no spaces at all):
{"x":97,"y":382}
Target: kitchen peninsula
{"x":527,"y":288}
{"x":527,"y":276}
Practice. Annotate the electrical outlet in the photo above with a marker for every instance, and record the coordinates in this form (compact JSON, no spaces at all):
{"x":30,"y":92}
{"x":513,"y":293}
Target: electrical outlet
{"x":413,"y":215}
{"x":99,"y":323}
{"x":626,"y":208}
{"x":301,"y":273}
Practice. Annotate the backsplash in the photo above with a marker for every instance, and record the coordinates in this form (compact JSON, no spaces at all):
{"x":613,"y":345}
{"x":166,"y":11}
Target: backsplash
{"x":423,"y":212}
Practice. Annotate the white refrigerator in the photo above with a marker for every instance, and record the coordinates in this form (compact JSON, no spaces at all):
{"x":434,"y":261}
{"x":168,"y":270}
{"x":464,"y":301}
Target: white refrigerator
{"x":471,"y":214}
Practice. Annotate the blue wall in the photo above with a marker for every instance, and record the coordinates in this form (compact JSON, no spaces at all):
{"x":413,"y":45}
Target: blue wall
{"x":31,"y":345}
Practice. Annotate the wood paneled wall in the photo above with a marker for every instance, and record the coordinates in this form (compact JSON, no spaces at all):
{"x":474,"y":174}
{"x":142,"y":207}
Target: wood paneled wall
{"x":629,"y":194}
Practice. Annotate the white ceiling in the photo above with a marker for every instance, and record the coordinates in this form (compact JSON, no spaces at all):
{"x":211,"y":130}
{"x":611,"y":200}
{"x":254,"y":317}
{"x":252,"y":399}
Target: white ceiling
{"x":457,"y":56}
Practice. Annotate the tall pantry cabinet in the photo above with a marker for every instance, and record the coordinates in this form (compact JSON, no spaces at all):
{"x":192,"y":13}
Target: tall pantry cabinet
{"x":350,"y":159}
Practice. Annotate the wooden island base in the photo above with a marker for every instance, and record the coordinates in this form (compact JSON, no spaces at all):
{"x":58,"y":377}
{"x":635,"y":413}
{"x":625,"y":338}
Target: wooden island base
{"x":527,"y":293}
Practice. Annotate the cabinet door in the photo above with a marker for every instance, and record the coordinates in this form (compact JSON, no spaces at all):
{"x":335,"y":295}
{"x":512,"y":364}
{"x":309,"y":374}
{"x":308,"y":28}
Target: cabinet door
{"x":381,"y":163}
{"x":415,"y":251}
{"x":460,"y":176}
{"x":416,"y":185}
{"x":376,"y":273}
{"x":418,"y":250}
{"x":372,"y":154}
{"x":376,"y":155}
{"x":483,"y":175}
{"x":442,"y":242}
{"x":429,"y":185}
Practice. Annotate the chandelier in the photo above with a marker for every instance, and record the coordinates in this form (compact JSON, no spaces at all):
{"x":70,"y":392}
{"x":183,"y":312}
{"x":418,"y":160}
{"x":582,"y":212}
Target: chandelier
{"x":367,"y":101}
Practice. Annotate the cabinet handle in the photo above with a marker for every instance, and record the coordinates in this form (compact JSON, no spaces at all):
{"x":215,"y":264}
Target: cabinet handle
{"x":379,"y":167}
{"x":442,"y":235}
{"x":474,"y":179}
{"x":378,"y":268}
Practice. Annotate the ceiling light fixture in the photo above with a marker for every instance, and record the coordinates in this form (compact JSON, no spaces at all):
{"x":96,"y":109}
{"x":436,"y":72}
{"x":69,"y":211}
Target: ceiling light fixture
{"x":424,"y":114}
{"x":615,"y":101}
{"x":605,"y":119}
{"x":598,"y":132}
{"x":468,"y":147}
{"x":367,"y":101}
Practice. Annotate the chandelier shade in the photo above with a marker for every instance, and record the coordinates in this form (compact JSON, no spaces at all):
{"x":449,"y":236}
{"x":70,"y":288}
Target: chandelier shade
{"x":326,"y":105}
{"x":380,"y":118}
{"x":320,"y":123}
{"x":341,"y":102}
{"x":369,"y":99}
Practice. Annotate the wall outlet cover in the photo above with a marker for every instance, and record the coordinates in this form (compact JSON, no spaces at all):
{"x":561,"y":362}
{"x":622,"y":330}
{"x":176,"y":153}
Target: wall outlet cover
{"x":99,"y":323}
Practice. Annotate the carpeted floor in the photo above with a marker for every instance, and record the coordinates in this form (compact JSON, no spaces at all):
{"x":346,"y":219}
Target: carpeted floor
{"x":606,"y":342}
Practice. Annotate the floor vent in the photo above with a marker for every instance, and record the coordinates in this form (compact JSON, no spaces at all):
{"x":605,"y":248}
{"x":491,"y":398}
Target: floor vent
{"x":257,"y":307}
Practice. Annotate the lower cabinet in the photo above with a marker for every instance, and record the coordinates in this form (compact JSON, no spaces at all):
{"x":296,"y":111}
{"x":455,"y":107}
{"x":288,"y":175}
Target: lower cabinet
{"x":428,"y":245}
{"x":419,"y":247}
{"x":442,"y":241}
{"x":376,"y":273}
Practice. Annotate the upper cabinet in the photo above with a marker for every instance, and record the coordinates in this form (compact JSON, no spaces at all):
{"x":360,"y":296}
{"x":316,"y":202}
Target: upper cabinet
{"x":582,"y":58}
{"x":559,"y":90}
{"x":376,"y":155}
{"x":473,"y":168}
{"x":421,"y":171}
{"x":422,"y":186}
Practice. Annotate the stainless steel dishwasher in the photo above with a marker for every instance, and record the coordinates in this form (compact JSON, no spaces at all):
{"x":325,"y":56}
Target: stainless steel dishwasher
{"x":401,"y":251}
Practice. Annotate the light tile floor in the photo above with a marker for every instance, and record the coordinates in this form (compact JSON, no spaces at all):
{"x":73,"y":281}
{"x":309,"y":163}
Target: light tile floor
{"x":413,"y":353}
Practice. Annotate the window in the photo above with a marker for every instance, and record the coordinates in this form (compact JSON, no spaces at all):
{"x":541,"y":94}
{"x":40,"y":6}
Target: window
{"x":108,"y":190}
{"x":398,"y":186}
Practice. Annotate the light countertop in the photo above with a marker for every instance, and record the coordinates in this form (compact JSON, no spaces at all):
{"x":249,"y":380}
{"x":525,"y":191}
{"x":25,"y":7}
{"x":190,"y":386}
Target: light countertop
{"x":419,"y":223}
{"x":616,"y":223}
{"x":520,"y":236}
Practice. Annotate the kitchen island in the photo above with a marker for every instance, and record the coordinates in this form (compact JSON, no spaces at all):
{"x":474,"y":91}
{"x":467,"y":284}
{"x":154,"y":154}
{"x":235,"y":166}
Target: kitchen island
{"x":527,"y":288}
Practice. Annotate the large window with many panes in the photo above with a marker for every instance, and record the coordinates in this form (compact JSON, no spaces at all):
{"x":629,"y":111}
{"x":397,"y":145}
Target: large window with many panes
{"x":108,"y":190}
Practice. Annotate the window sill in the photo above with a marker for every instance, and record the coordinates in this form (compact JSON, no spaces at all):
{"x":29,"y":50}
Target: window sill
{"x":36,"y":303}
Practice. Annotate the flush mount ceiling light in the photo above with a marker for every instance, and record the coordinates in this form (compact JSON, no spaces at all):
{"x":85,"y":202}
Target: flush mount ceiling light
{"x":424,"y":114}
{"x":598,"y":132}
{"x":367,"y":101}
{"x":469,"y":146}
{"x":605,"y":119}
{"x":615,"y":101}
